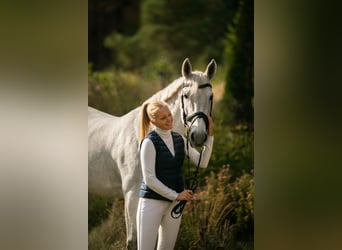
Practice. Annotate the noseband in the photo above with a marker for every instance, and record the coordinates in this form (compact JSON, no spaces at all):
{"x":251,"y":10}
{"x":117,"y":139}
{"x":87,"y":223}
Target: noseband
{"x":192,"y":118}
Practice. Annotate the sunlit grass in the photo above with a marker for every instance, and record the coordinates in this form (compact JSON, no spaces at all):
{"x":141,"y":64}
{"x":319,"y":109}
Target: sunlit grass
{"x":111,"y":233}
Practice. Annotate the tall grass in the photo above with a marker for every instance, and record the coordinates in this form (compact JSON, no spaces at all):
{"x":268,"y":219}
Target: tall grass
{"x":220,"y":217}
{"x":111,"y":233}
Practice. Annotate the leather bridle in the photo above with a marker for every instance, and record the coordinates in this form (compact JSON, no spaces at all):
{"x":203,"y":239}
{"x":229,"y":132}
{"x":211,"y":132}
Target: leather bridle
{"x":192,"y":181}
{"x":197,"y":115}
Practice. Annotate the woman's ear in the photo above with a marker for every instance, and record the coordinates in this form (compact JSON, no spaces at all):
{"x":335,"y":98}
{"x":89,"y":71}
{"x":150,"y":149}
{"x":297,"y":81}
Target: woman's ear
{"x":153,"y":121}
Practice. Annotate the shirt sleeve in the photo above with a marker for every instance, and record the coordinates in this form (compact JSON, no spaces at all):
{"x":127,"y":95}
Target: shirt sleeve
{"x":148,"y":162}
{"x":206,"y":154}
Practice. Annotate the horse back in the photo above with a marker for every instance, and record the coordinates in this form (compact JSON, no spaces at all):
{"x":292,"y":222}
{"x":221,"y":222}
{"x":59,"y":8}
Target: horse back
{"x":112,"y":151}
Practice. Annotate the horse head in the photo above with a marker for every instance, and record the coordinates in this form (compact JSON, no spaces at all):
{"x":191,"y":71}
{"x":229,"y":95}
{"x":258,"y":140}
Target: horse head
{"x":197,"y":101}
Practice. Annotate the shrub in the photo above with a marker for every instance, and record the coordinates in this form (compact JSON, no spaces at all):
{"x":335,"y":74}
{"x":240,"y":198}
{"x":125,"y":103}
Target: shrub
{"x":107,"y":91}
{"x":117,"y":92}
{"x":222,"y":216}
{"x":233,"y":145}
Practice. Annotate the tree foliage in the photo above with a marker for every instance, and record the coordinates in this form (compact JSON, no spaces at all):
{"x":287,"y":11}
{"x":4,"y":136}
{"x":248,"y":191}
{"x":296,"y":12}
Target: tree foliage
{"x":106,"y":17}
{"x":192,"y":28}
{"x":171,"y":29}
{"x":239,"y":92}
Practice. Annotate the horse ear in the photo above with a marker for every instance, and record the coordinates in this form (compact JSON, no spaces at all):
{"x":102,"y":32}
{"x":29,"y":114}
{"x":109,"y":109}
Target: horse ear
{"x":186,"y":68}
{"x":211,"y":69}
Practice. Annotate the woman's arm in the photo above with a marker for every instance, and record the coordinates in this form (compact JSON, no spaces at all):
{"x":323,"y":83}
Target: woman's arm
{"x":148,"y":162}
{"x":207,"y":148}
{"x":206,"y":154}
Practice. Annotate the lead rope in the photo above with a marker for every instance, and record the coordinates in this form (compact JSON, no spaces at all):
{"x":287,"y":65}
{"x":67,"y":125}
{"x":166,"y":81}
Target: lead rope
{"x":191,"y":183}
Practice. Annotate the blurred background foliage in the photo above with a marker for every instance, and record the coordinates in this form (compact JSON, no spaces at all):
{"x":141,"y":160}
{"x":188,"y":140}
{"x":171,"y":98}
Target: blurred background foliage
{"x":135,"y":48}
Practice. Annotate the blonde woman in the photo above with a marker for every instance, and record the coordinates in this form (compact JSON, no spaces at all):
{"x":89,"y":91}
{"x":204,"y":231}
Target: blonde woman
{"x":162,"y":153}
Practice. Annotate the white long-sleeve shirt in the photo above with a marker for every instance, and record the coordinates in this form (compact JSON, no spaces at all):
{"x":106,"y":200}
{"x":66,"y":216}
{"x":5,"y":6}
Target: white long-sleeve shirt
{"x":148,"y":161}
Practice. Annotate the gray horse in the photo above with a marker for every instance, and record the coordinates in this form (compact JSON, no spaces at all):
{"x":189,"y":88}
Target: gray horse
{"x":113,"y":142}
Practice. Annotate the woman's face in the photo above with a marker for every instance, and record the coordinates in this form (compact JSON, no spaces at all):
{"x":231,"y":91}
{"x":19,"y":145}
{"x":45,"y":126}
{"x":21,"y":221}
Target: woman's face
{"x":164,"y":119}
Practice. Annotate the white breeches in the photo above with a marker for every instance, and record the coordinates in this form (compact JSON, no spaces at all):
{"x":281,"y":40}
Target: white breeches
{"x":154,"y":221}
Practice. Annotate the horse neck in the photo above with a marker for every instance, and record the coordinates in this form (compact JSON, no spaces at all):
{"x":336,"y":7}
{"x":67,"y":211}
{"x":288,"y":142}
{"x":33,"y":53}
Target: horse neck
{"x":174,"y":105}
{"x":171,"y":95}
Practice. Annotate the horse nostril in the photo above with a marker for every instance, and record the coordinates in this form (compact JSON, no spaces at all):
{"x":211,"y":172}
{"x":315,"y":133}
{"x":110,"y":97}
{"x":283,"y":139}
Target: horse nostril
{"x":192,"y":136}
{"x":198,"y":139}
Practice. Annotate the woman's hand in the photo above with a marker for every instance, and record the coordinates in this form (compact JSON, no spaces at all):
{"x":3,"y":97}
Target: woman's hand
{"x":185,"y":195}
{"x":211,"y":126}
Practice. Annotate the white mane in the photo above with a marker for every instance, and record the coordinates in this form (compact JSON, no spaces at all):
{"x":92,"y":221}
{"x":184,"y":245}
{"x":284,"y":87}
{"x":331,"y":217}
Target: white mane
{"x":169,"y":92}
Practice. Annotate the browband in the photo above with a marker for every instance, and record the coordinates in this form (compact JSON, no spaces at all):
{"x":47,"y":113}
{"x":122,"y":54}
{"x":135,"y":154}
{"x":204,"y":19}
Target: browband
{"x":204,"y":85}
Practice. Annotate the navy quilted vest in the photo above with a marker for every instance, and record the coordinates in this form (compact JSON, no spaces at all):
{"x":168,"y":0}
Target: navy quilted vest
{"x":168,"y":167}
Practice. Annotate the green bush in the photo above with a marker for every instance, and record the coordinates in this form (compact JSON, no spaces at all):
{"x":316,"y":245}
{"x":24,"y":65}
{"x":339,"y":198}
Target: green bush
{"x":117,"y":92}
{"x":233,"y":146}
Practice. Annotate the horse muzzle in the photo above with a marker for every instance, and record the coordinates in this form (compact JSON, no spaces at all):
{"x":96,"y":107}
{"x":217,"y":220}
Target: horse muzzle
{"x":198,"y":133}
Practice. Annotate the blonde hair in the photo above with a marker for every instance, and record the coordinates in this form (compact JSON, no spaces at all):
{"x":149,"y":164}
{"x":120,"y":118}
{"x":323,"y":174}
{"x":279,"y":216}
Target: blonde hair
{"x":149,"y":111}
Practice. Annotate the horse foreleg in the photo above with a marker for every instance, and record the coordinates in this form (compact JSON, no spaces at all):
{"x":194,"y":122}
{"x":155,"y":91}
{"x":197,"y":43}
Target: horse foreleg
{"x":131,"y":204}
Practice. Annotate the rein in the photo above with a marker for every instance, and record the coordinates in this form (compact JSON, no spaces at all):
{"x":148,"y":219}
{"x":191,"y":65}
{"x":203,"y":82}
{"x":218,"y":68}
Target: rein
{"x":192,"y":181}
